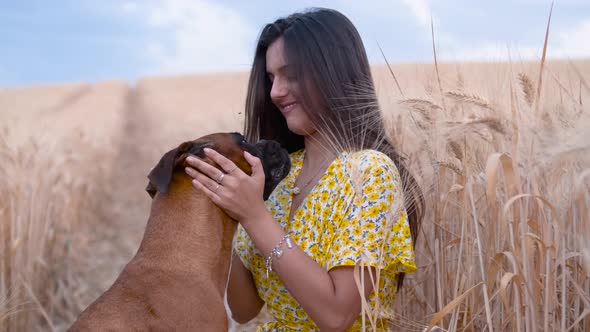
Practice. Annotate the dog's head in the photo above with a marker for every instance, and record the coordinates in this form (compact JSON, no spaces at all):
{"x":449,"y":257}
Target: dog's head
{"x":275,"y":160}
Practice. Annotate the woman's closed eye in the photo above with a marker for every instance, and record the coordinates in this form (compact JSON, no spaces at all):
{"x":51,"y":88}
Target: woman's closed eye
{"x":289,"y":73}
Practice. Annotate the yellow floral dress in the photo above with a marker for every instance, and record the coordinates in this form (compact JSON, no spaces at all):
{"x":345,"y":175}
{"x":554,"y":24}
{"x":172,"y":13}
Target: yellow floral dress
{"x":353,"y":216}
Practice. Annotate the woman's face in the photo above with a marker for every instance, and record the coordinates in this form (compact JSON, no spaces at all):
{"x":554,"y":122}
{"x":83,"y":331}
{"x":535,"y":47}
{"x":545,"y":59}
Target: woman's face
{"x":285,"y":91}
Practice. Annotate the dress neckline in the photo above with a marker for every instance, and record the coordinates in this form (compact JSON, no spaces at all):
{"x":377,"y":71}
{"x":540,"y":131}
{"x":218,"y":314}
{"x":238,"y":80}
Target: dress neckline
{"x":298,"y":163}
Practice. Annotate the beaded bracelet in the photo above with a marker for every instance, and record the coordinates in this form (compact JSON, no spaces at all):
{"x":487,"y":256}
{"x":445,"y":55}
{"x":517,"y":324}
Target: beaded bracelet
{"x":277,"y":252}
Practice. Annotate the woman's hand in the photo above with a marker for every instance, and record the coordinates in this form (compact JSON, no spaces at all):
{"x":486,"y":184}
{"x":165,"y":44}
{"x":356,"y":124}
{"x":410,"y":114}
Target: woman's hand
{"x":238,"y":194}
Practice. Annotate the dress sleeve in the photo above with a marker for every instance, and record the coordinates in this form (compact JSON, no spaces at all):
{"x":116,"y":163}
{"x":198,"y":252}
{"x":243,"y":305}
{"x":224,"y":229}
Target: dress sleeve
{"x":374,"y":230}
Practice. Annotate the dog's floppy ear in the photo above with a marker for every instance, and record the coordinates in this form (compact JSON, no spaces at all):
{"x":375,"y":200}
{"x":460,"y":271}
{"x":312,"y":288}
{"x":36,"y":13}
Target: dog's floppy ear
{"x":161,"y":175}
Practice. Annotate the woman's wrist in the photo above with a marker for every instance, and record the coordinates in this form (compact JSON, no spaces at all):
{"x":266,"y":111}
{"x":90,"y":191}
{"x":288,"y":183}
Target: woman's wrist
{"x":264,"y":231}
{"x":255,"y":216}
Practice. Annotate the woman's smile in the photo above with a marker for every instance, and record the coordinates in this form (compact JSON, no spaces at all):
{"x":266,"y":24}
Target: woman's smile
{"x":286,"y":108}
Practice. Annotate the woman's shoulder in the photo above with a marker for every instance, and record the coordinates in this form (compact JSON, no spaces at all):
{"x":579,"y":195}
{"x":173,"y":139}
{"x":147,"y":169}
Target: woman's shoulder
{"x":368,"y":159}
{"x":370,"y":167}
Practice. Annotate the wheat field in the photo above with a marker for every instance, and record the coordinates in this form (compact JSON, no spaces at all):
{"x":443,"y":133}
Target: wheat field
{"x":504,"y":164}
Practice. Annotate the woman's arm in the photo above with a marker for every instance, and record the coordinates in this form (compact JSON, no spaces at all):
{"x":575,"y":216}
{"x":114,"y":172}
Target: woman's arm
{"x":331,"y":299}
{"x":242,"y":297}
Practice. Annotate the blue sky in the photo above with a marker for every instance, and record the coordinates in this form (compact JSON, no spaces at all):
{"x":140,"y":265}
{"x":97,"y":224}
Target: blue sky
{"x":81,"y":40}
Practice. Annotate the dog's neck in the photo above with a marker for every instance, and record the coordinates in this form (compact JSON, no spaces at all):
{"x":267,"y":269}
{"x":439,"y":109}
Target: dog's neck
{"x":186,"y":228}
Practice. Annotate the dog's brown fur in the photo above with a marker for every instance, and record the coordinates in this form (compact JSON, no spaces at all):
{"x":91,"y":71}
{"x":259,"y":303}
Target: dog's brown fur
{"x":177,"y":279}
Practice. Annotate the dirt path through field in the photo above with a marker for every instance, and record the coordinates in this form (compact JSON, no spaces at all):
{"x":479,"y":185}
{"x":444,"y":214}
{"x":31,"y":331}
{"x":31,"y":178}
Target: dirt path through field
{"x":129,"y":203}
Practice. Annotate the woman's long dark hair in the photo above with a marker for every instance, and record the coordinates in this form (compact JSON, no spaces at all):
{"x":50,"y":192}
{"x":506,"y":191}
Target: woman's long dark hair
{"x":330,"y":64}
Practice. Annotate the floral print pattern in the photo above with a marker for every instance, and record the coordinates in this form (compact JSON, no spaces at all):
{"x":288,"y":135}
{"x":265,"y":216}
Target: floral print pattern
{"x":353,"y":216}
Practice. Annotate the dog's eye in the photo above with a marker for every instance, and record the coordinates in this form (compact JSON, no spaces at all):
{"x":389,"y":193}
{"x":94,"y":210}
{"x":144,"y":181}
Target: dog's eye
{"x":277,"y":173}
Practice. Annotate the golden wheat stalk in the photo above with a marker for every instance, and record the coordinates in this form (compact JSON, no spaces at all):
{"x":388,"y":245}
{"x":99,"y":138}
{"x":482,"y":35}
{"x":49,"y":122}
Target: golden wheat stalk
{"x":457,"y":149}
{"x":470,"y":99}
{"x":527,"y":88}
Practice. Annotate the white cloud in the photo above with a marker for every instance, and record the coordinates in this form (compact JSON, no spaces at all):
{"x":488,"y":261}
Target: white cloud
{"x":130,"y":7}
{"x":421,"y":11}
{"x":385,"y":11}
{"x":194,"y":36}
{"x":489,"y":51}
{"x":573,"y":42}
{"x":569,"y":43}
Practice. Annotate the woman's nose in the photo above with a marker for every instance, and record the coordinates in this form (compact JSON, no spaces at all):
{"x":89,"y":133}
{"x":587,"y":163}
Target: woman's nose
{"x":278,"y":89}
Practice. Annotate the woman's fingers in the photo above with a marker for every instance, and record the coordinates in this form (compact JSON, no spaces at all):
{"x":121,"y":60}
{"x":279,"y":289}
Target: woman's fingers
{"x":204,"y":168}
{"x":227,"y":165}
{"x":230,"y":189}
{"x":255,"y":164}
{"x":213,"y":172}
{"x":210,"y":192}
{"x":204,"y":180}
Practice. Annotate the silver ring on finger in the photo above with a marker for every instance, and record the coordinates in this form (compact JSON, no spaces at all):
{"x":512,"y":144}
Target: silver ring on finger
{"x":220,"y":179}
{"x":216,"y":188}
{"x":233,"y":169}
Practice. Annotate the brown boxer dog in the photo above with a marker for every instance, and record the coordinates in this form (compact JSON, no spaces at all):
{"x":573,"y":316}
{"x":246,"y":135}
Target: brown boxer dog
{"x":176,"y":281}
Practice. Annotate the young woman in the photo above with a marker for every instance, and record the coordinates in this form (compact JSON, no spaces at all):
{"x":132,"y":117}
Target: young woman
{"x":348,"y":200}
